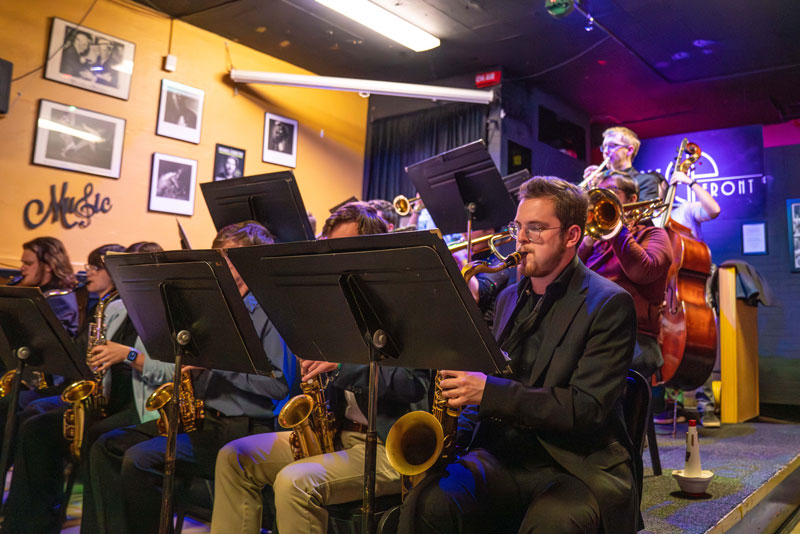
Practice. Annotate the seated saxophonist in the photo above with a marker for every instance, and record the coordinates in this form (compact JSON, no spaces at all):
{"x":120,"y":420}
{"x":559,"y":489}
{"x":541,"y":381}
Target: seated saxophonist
{"x":543,"y":449}
{"x":36,"y":485}
{"x":128,"y":463}
{"x":304,"y":486}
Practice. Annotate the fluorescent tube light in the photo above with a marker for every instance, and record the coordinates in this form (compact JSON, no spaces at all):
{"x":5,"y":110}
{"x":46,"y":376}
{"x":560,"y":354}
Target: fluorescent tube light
{"x":375,"y":87}
{"x":384,"y":22}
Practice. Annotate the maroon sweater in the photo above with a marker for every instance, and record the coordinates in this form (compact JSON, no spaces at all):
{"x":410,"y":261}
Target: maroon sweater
{"x":638,"y":260}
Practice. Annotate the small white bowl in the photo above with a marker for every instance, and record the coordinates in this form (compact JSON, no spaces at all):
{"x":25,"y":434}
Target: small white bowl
{"x":693,"y":485}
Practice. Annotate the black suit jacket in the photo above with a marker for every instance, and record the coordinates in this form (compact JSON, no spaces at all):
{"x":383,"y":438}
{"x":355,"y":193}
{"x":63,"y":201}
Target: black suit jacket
{"x":580,"y":370}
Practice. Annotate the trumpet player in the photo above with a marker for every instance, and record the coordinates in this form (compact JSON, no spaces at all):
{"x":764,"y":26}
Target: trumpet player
{"x":127,"y":464}
{"x":620,"y":146}
{"x":542,"y":449}
{"x":303,"y":487}
{"x":638,"y":260}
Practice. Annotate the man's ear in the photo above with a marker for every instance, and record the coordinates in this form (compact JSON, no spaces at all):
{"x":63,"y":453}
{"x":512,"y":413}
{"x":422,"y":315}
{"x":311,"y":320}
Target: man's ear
{"x":574,"y":236}
{"x":634,"y":198}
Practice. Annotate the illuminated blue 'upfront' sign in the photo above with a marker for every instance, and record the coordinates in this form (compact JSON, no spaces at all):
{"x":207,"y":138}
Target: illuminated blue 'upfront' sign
{"x":731,"y":167}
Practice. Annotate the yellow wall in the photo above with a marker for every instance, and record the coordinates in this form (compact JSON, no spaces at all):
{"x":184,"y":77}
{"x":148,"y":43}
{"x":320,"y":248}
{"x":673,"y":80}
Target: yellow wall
{"x":329,"y":166}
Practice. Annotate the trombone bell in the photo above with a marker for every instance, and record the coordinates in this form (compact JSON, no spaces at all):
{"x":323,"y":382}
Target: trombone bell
{"x":403,"y":206}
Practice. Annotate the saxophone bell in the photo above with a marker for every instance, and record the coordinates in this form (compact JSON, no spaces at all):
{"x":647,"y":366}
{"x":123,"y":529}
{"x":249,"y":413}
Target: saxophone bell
{"x":414,"y":443}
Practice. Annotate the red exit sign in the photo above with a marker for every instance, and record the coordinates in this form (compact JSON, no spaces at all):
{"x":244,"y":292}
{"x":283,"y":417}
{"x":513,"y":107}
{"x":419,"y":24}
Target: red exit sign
{"x":488,"y":79}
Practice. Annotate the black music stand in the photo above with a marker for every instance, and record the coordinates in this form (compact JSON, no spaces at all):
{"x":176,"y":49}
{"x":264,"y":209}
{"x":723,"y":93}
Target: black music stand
{"x":462,"y":189}
{"x":514,"y":181}
{"x":272,"y":199}
{"x":340,"y":204}
{"x":186,"y":307}
{"x":392,"y":299}
{"x":32,"y":339}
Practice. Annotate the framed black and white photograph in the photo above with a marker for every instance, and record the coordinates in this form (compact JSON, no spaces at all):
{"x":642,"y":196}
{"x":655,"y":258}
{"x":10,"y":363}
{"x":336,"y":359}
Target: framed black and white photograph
{"x":172,"y":184}
{"x":228,"y":163}
{"x":280,"y":140}
{"x":180,"y":111}
{"x":793,"y":220}
{"x":79,"y":140}
{"x":89,"y":59}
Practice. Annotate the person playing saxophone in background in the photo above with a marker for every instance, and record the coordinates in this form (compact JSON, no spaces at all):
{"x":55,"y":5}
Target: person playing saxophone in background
{"x":35,"y":494}
{"x":543,"y":449}
{"x":127,"y":463}
{"x":303,"y":487}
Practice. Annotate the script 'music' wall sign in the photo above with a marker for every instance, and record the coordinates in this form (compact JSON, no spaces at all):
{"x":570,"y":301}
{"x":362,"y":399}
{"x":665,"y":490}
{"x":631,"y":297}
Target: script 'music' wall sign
{"x":70,"y":211}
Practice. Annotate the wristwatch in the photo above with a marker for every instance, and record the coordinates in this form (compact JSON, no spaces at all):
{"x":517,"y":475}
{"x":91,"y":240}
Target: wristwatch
{"x":131,"y":357}
{"x":692,"y":184}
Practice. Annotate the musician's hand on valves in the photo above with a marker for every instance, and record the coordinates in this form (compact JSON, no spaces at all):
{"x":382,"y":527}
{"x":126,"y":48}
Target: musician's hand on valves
{"x":309,"y":368}
{"x":104,"y":356}
{"x":589,"y":170}
{"x":461,"y":388}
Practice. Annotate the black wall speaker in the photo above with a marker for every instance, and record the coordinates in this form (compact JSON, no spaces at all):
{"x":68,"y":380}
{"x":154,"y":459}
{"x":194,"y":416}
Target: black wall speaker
{"x":5,"y":84}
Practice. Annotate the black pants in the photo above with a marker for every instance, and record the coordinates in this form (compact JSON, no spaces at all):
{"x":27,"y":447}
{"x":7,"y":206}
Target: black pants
{"x":127,"y":469}
{"x":36,"y":492}
{"x":479,"y":494}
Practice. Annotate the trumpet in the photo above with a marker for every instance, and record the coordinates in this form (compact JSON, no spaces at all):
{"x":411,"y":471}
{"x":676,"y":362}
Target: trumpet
{"x":403,"y":205}
{"x":589,"y":180}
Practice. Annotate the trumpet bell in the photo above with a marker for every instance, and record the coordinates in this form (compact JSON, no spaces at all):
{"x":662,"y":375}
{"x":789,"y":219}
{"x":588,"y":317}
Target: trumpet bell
{"x":414,"y":443}
{"x":78,"y":391}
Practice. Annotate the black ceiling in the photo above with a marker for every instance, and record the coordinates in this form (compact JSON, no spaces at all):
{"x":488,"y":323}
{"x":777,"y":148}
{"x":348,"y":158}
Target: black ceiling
{"x":659,"y":66}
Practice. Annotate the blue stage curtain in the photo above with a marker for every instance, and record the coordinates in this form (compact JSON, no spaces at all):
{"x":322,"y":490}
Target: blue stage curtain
{"x":396,"y":142}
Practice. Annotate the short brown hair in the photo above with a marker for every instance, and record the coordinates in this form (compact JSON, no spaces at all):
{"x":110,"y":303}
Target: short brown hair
{"x":625,"y":184}
{"x":52,"y":253}
{"x":570,"y":201}
{"x":243,"y":234}
{"x":97,"y":256}
{"x":386,"y":211}
{"x":361,"y":213}
{"x":144,"y":246}
{"x":629,"y":135}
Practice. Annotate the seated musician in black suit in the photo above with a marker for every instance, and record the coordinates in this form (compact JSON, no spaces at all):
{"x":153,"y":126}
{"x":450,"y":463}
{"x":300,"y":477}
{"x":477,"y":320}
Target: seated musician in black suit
{"x":543,"y":449}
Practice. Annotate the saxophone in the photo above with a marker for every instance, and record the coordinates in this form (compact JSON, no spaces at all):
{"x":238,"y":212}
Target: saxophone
{"x":420,"y":440}
{"x":310,"y":420}
{"x":86,"y":396}
{"x":190,"y":410}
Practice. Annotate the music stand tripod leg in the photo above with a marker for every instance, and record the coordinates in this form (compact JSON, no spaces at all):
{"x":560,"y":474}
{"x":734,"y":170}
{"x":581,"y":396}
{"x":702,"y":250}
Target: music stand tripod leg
{"x":11,"y":420}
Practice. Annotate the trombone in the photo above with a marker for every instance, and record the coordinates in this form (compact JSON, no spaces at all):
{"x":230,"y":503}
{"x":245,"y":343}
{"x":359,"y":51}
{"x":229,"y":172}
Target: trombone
{"x":589,"y":180}
{"x":403,"y":205}
{"x":494,"y":241}
{"x":606,"y":212}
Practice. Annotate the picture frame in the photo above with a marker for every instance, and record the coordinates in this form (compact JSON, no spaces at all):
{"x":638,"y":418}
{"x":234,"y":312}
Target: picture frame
{"x":76,"y":139}
{"x":228,"y":162}
{"x":793,"y":221}
{"x":280,"y":140}
{"x":754,"y":238}
{"x":89,"y":59}
{"x":172,"y":184}
{"x":180,"y":111}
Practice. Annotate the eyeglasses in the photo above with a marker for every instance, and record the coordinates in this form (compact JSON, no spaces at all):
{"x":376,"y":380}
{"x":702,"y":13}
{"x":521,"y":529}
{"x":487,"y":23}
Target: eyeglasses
{"x":532,"y":233}
{"x":91,"y":268}
{"x":610,"y":147}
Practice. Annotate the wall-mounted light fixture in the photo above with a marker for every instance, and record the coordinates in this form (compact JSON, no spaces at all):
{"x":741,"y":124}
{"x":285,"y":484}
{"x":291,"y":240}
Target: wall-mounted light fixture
{"x":375,"y":87}
{"x":384,"y":22}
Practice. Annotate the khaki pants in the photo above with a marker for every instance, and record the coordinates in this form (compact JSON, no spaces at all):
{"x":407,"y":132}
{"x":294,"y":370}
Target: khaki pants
{"x":302,"y":488}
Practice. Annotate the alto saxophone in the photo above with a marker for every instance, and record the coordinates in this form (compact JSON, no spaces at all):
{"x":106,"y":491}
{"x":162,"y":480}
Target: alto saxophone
{"x":310,"y":420}
{"x":86,"y":396}
{"x":190,"y":410}
{"x":419,"y":440}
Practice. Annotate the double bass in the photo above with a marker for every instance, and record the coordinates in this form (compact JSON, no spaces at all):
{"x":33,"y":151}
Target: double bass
{"x":688,"y":324}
